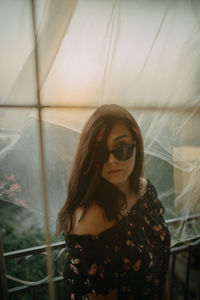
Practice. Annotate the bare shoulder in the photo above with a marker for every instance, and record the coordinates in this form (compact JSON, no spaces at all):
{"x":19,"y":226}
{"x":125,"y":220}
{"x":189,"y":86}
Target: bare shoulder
{"x":94,"y":221}
{"x":143,"y":186}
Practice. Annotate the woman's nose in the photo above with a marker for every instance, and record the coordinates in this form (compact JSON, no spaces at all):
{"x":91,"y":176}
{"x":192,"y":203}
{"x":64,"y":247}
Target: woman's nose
{"x":112,"y":159}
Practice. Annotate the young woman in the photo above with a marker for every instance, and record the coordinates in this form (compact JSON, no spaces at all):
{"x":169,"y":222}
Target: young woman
{"x":117,"y":242}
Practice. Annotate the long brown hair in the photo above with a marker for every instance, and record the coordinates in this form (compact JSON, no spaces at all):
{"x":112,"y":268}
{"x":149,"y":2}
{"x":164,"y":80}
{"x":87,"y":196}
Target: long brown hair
{"x":86,"y":185}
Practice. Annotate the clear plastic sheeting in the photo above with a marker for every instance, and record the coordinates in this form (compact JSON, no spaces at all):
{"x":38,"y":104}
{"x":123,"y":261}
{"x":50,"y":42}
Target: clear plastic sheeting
{"x":143,"y":55}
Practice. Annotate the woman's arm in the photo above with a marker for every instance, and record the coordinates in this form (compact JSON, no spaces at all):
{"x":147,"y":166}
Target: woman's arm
{"x":111,"y":296}
{"x":166,"y":291}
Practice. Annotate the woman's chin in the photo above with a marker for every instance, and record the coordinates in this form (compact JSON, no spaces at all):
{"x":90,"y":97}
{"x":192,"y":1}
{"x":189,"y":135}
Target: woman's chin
{"x":116,"y":180}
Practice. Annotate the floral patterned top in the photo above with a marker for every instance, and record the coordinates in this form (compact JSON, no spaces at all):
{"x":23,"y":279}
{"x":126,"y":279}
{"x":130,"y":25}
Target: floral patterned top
{"x":131,"y":256}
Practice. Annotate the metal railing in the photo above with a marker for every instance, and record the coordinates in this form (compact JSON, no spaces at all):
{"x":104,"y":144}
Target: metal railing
{"x":188,"y":246}
{"x":23,"y":255}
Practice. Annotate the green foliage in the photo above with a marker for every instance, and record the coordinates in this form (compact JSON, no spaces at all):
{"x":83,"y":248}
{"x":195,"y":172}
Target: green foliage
{"x":16,"y":237}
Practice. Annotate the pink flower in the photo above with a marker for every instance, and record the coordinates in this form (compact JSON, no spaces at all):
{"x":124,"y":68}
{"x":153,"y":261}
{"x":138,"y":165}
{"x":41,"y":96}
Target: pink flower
{"x":75,"y":261}
{"x":22,"y":202}
{"x":93,"y":269}
{"x":136,"y":266}
{"x":101,"y":271}
{"x":72,"y":296}
{"x":128,"y":242}
{"x":148,"y":277}
{"x":163,"y":235}
{"x":11,"y":177}
{"x":157,"y":228}
{"x":15,"y":187}
{"x":72,"y":267}
{"x":126,"y":263}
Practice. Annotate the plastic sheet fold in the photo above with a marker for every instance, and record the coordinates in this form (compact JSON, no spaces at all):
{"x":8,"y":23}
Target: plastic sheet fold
{"x":143,"y":55}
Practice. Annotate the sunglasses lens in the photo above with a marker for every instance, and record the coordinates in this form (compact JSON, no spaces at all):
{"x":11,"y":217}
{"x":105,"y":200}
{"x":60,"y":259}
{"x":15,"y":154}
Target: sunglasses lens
{"x":123,"y":152}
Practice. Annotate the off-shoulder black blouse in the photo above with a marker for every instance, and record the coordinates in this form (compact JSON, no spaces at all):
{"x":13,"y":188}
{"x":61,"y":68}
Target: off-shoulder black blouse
{"x":132,"y":256}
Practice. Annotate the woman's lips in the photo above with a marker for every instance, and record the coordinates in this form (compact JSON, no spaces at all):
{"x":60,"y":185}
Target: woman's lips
{"x":114,"y":171}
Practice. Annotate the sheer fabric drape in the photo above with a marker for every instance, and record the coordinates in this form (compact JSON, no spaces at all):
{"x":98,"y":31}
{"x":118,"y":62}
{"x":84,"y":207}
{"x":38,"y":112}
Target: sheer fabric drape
{"x":143,"y":55}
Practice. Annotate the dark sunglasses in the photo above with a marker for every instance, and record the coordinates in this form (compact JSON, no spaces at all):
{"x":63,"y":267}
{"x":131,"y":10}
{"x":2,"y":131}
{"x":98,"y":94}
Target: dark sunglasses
{"x":123,"y":152}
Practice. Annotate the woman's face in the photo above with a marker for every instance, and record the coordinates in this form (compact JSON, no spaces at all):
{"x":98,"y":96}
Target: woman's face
{"x":114,"y":170}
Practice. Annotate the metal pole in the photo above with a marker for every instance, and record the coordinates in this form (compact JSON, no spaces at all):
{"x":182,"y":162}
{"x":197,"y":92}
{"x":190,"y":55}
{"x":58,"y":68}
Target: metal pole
{"x":187,"y":275}
{"x":172,"y":276}
{"x":3,"y":279}
{"x":43,"y":173}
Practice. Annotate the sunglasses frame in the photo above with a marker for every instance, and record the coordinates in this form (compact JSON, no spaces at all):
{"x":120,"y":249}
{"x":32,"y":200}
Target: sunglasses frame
{"x":102,"y":155}
{"x":113,"y":151}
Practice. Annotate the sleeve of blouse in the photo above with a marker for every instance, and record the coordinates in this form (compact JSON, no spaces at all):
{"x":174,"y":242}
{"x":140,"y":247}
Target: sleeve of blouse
{"x":91,"y":264}
{"x":164,"y":233}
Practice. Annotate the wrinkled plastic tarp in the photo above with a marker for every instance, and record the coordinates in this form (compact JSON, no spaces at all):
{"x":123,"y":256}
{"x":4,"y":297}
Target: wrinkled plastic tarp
{"x":143,"y":55}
